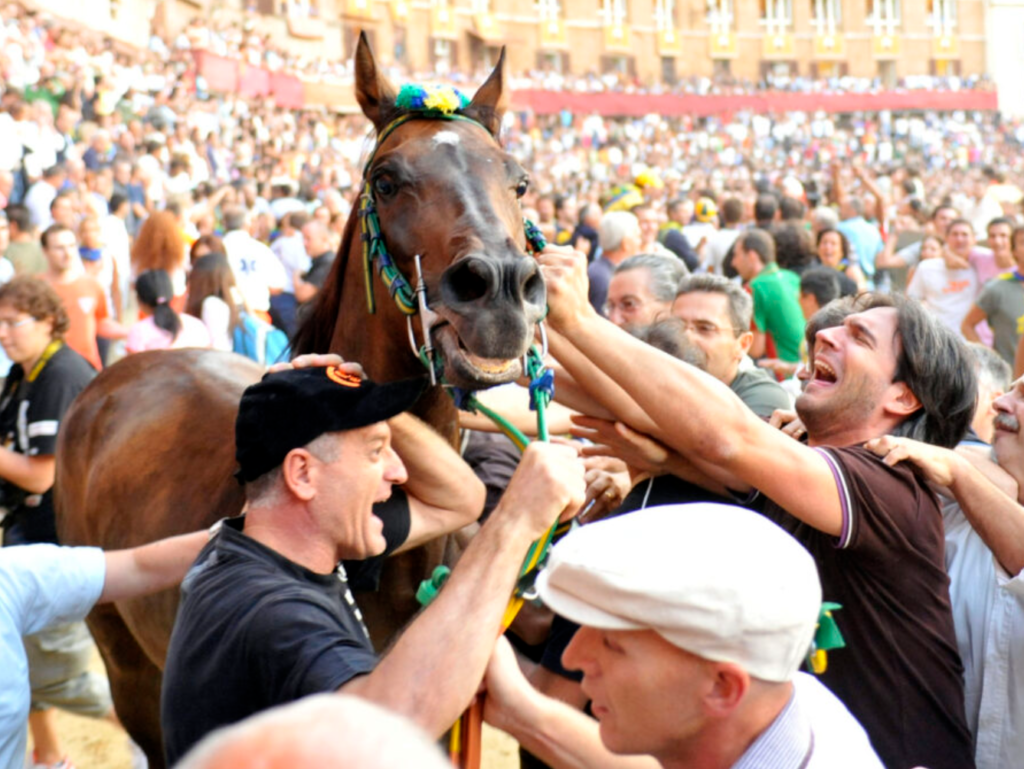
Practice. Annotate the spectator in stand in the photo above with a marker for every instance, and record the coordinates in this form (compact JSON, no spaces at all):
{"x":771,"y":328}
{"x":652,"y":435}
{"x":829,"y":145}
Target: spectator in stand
{"x":205,"y":244}
{"x":778,"y":322}
{"x":84,"y":299}
{"x":160,"y":327}
{"x":23,"y":250}
{"x":834,"y":252}
{"x":41,"y":194}
{"x":290,"y":249}
{"x":620,"y":239}
{"x":213,"y":298}
{"x":938,"y":224}
{"x":316,"y":240}
{"x":823,"y":218}
{"x":791,"y":210}
{"x":1001,"y":305}
{"x":703,"y":227}
{"x":947,"y":286}
{"x":258,"y":273}
{"x":64,"y":210}
{"x":160,"y":245}
{"x":585,"y":237}
{"x":998,"y":235}
{"x":647,"y":218}
{"x":864,"y":237}
{"x":642,"y":289}
{"x":960,"y":240}
{"x":720,"y":242}
{"x":818,"y":287}
{"x":766,"y":211}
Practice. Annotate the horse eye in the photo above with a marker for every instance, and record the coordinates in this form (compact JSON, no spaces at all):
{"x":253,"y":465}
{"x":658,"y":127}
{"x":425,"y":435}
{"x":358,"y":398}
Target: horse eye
{"x":384,"y":187}
{"x":521,"y":188}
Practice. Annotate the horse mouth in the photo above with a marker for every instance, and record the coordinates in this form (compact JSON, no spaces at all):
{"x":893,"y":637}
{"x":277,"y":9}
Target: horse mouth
{"x":469,"y":371}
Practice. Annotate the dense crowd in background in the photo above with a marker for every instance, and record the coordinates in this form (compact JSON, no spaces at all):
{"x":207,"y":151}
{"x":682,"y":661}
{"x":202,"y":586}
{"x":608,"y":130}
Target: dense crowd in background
{"x":141,"y":211}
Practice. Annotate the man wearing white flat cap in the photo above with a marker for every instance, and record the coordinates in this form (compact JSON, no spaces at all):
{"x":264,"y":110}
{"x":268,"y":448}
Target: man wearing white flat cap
{"x":695,"y":620}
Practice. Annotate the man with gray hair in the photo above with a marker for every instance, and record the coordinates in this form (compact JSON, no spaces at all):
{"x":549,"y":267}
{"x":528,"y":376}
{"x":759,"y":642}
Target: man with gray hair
{"x":258,"y":272}
{"x":717,"y":314}
{"x":642,"y":289}
{"x":994,"y":379}
{"x":823,"y":218}
{"x":620,"y":239}
{"x":690,"y":648}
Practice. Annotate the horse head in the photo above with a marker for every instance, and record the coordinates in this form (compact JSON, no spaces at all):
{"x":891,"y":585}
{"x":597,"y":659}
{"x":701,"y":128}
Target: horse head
{"x":445,"y":190}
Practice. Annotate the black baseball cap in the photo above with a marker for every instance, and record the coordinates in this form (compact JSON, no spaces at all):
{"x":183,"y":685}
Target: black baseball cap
{"x":289,"y":409}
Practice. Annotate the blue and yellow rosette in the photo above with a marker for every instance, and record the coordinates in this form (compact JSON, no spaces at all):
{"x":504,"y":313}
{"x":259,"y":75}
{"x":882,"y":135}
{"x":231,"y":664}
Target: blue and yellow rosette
{"x":440,"y":99}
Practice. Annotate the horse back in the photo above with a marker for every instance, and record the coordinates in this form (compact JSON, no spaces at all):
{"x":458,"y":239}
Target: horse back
{"x":147,"y":451}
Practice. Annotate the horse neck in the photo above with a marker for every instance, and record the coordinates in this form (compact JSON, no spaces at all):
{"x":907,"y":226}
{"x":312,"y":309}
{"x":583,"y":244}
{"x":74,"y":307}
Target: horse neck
{"x":379,"y":341}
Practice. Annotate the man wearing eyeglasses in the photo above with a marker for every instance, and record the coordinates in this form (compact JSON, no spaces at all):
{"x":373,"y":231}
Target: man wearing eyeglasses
{"x":717,"y":314}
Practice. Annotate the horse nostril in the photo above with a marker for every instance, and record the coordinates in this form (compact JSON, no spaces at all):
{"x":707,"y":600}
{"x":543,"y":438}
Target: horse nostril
{"x":534,"y":291}
{"x":467,"y":281}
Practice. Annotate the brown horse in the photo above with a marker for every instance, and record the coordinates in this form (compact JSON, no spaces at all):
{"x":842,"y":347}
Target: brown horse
{"x":147,"y":450}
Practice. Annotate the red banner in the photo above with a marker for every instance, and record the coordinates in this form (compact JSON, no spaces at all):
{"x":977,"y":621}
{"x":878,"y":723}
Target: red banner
{"x":224,"y":75}
{"x":637,"y":105}
{"x":287,"y":90}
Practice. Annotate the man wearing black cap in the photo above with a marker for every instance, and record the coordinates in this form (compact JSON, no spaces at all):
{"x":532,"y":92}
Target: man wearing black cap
{"x":266,"y":614}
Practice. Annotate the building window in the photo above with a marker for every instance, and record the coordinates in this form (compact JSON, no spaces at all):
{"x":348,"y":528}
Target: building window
{"x":826,"y":16}
{"x":776,"y":15}
{"x":614,"y":12}
{"x":720,"y":16}
{"x":941,"y":16}
{"x":884,"y":16}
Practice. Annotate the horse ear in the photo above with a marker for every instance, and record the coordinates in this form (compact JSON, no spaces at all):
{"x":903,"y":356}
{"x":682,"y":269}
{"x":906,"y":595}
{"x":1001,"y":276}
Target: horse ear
{"x":491,"y":101}
{"x":374,"y":92}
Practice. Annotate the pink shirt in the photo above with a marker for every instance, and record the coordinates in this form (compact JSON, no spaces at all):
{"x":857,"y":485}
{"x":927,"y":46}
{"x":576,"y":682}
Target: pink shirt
{"x":144,"y":335}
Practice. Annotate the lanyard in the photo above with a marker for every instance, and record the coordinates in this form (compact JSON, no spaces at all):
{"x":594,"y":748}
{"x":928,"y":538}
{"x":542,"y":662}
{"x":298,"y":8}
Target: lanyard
{"x":48,"y":353}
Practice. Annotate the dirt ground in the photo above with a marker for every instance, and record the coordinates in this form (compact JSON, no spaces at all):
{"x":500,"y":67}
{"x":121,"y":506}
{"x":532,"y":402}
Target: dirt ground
{"x":93,"y":744}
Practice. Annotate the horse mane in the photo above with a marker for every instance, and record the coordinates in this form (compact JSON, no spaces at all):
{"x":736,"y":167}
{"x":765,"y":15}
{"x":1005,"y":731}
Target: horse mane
{"x":317,"y":330}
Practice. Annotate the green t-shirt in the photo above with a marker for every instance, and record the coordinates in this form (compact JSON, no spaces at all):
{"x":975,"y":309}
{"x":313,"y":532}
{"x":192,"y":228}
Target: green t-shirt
{"x":759,"y":390}
{"x":1002,"y":301}
{"x":777,"y":311}
{"x":27,"y":258}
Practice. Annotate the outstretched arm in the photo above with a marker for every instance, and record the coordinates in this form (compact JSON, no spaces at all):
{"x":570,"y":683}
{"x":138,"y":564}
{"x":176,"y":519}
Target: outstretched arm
{"x":694,"y":413}
{"x":436,"y":666}
{"x":149,"y":568}
{"x":998,"y":519}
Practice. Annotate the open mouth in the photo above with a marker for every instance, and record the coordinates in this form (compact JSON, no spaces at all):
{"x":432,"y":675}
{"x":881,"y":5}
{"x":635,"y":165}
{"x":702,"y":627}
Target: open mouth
{"x":824,"y":374}
{"x":468,"y":370}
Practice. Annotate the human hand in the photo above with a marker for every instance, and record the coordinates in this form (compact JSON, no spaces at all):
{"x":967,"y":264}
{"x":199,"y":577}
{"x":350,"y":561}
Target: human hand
{"x":788,"y":422}
{"x":938,"y":465}
{"x":639,"y":451}
{"x":565,"y":274}
{"x":605,"y":492}
{"x":547,"y":485}
{"x":314,"y":360}
{"x":776,"y":366}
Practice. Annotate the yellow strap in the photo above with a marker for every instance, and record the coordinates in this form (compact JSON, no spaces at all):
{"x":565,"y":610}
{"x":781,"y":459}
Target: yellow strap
{"x":51,"y":348}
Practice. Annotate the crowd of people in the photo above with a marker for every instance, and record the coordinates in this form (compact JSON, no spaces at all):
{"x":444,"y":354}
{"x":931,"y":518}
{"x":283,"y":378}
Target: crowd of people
{"x":777,"y":340}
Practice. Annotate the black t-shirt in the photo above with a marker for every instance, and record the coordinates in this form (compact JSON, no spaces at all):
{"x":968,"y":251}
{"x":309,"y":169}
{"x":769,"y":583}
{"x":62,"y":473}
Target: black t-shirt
{"x":255,"y":630}
{"x":900,"y":673}
{"x":30,"y":417}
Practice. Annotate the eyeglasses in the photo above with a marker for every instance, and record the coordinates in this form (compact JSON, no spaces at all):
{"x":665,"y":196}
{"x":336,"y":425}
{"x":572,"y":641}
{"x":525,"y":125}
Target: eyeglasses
{"x":12,"y":324}
{"x":705,"y":328}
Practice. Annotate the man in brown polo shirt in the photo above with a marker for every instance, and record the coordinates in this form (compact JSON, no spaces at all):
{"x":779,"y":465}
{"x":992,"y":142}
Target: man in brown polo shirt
{"x":875,"y":531}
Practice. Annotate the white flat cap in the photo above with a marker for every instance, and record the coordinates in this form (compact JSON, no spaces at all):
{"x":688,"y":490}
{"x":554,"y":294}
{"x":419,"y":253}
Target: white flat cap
{"x":718,"y":581}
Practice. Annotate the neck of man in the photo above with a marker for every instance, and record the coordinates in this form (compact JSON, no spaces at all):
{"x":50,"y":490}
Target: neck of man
{"x":60,"y":276}
{"x":841,"y":436}
{"x":616,"y":257}
{"x":289,"y":530}
{"x":1004,"y":260}
{"x":721,"y":744}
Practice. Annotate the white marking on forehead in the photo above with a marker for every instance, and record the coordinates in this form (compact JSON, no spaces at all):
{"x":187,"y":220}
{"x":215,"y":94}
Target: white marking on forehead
{"x":446,"y":137}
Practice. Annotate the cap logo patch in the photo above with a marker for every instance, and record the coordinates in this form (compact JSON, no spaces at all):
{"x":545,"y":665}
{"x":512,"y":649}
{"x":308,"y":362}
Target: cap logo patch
{"x":343,"y":378}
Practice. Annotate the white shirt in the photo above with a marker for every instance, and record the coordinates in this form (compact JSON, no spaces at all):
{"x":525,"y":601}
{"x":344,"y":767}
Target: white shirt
{"x":988,"y":616}
{"x":947,"y":293}
{"x":718,"y":246}
{"x":256,"y":268}
{"x":37,"y":200}
{"x":814,"y":731}
{"x":217,"y":316}
{"x":291,"y":252}
{"x":40,"y":586}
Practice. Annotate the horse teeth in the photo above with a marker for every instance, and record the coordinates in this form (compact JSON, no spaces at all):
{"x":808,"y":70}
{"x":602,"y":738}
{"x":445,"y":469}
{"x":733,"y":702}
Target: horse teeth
{"x":491,"y":366}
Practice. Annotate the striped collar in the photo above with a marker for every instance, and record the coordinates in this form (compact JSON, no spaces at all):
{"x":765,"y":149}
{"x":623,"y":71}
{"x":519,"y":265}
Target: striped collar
{"x":788,"y":743}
